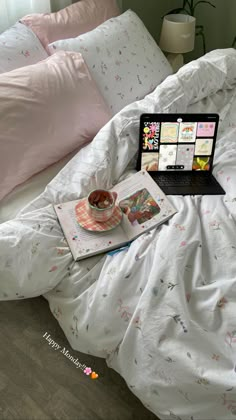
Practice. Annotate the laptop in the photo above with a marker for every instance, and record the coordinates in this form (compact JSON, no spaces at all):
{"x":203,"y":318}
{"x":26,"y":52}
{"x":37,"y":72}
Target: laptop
{"x":177,"y":150}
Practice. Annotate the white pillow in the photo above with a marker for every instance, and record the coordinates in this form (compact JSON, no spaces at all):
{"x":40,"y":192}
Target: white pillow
{"x":19,"y":47}
{"x":123,"y":59}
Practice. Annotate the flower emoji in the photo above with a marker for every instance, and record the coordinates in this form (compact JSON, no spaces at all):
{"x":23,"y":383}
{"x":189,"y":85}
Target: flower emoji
{"x":87,"y":371}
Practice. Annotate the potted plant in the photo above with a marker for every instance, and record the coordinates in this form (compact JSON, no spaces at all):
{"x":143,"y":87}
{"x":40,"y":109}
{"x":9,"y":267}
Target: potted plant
{"x":189,"y":7}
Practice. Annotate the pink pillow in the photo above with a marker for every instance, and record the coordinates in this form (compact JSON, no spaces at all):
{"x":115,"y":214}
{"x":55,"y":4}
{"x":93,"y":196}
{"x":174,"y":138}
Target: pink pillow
{"x":72,"y":21}
{"x":50,"y":109}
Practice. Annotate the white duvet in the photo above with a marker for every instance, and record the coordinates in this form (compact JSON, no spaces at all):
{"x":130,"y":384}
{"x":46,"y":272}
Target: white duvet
{"x":162,"y":312}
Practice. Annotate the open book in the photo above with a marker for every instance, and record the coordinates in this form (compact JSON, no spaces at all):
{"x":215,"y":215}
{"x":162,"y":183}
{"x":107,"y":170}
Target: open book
{"x":143,"y":204}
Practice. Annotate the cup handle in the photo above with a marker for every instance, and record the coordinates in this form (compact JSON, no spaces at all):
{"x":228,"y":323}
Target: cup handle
{"x":114,"y":194}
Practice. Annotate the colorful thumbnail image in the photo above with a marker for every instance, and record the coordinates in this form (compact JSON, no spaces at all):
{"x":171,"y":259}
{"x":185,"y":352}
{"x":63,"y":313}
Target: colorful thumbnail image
{"x":139,"y":207}
{"x":169,"y":132}
{"x":203,"y":147}
{"x":151,"y":132}
{"x":187,"y":132}
{"x":201,"y":163}
{"x":185,"y":156}
{"x":167,"y":156}
{"x":206,"y":129}
{"x":150,"y":161}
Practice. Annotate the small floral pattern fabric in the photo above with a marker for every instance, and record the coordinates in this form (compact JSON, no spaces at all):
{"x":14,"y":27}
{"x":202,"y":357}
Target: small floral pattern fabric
{"x":162,"y":311}
{"x":122,"y":57}
{"x":19,"y":47}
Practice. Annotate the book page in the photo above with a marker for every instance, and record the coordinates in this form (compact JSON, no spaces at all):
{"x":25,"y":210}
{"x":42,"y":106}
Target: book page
{"x":143,"y":206}
{"x":84,"y":243}
{"x":143,"y":203}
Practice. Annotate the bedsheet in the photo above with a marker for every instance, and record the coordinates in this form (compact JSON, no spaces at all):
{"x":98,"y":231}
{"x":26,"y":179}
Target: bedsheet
{"x":24,"y":193}
{"x":162,"y":312}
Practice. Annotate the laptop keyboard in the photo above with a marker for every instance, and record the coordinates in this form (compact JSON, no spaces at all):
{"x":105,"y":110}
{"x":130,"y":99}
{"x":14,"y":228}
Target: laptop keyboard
{"x":182,"y":179}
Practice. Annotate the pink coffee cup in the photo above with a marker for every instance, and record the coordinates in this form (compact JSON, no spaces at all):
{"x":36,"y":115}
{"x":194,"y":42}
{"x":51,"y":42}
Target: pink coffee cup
{"x":101,"y":204}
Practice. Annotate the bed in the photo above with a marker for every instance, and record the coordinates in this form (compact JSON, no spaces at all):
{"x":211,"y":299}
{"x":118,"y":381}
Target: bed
{"x":57,"y":94}
{"x":26,"y":192}
{"x":162,"y":312}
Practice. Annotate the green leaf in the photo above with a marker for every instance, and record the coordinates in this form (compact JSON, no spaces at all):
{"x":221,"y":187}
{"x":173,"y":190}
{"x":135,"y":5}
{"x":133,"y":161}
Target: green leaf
{"x":173,"y":11}
{"x":203,"y":1}
{"x":199,"y":26}
{"x":190,"y":5}
{"x":200,"y":31}
{"x":176,"y":11}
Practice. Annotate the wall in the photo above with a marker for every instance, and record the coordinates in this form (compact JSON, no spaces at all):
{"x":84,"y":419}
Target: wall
{"x":60,"y":4}
{"x":150,"y":11}
{"x":119,"y":2}
{"x":219,"y":23}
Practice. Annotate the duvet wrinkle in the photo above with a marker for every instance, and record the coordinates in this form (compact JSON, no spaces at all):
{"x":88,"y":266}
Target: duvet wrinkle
{"x":161,"y":312}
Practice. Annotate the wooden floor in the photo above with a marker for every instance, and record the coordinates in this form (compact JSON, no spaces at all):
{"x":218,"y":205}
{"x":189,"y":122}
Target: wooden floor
{"x":38,"y":383}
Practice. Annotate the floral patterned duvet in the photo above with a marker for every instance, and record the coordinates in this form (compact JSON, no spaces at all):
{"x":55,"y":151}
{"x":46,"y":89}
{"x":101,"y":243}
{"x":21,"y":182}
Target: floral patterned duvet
{"x":162,"y":312}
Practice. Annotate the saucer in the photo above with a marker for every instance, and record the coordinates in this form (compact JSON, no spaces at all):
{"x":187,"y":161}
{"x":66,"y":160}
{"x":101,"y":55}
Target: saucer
{"x":88,"y":223}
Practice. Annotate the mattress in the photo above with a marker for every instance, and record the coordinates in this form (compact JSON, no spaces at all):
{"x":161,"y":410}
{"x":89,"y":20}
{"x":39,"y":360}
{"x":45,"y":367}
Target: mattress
{"x":26,"y":192}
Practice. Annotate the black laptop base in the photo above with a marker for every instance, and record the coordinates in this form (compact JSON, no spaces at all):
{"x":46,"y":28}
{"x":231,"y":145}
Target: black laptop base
{"x":180,"y":183}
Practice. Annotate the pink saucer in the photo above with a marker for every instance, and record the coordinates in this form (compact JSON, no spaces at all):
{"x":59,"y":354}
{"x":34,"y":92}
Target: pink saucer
{"x":88,"y":223}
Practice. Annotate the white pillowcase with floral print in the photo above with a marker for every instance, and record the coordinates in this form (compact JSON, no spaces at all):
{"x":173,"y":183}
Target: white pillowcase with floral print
{"x":123,"y":58}
{"x":19,"y":47}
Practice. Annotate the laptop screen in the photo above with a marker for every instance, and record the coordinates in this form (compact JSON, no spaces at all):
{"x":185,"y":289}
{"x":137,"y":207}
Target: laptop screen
{"x":177,"y":142}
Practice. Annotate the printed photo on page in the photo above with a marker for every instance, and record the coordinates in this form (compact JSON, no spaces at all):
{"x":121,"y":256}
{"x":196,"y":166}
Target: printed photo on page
{"x":142,"y":206}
